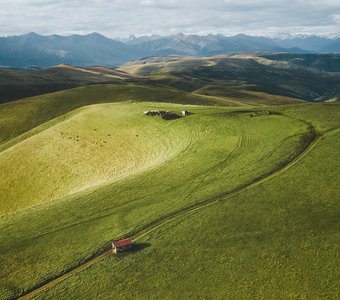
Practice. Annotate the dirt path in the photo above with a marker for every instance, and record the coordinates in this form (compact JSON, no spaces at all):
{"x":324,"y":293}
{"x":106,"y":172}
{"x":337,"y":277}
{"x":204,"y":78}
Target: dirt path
{"x":147,"y":229}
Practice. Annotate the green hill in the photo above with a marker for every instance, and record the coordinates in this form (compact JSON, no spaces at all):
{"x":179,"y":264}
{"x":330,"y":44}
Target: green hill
{"x":113,"y":142}
{"x":214,"y":197}
{"x":236,"y":200}
{"x":279,"y":239}
{"x":311,"y":77}
{"x":18,"y":117}
{"x":22,"y":83}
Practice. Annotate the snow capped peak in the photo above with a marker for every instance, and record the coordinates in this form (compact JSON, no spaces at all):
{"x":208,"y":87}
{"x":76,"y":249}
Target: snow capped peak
{"x":302,"y":36}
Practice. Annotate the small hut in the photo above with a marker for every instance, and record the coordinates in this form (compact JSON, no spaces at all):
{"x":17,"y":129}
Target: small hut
{"x":122,"y":245}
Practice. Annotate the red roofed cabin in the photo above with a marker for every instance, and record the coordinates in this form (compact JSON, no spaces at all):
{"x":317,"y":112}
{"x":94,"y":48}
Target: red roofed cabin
{"x":121,"y":246}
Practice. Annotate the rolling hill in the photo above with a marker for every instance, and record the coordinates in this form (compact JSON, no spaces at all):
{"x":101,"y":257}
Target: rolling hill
{"x":273,"y":74}
{"x":107,"y":131}
{"x":93,"y":192}
{"x":316,"y":62}
{"x":21,"y":119}
{"x":274,"y":240}
{"x":247,"y":76}
{"x":19,"y":83}
{"x":237,"y":200}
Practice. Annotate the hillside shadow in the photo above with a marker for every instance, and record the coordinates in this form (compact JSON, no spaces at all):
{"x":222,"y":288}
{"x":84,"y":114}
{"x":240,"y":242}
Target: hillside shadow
{"x":136,"y":248}
{"x":140,"y":247}
{"x":170,"y":117}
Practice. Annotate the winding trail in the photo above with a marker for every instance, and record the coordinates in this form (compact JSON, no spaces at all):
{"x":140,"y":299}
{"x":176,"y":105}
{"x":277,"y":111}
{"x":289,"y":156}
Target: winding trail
{"x":154,"y":225}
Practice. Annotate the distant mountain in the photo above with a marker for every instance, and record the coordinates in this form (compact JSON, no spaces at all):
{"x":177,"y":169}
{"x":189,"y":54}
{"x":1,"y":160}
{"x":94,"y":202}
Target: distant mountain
{"x":311,"y":43}
{"x":45,"y":51}
{"x":33,"y":50}
{"x":133,"y":40}
{"x":211,"y":44}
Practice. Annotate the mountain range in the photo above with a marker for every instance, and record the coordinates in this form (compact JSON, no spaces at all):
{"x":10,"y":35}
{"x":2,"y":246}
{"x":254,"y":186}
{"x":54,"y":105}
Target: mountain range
{"x":36,"y":51}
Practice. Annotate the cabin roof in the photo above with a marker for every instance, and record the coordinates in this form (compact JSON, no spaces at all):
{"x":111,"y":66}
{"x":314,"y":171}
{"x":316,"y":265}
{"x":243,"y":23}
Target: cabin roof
{"x":123,"y":243}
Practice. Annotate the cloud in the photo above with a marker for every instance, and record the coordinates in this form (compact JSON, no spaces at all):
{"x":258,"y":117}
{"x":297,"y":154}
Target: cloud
{"x":122,"y":18}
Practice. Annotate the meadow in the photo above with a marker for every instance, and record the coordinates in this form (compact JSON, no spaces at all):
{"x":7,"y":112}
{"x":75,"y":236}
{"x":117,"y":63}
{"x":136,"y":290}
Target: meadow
{"x":279,"y":240}
{"x":223,"y":204}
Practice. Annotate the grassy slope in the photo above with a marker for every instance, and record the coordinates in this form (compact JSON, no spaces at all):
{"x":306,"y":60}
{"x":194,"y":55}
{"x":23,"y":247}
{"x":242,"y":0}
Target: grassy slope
{"x":234,"y":147}
{"x":324,"y":116}
{"x":19,"y":83}
{"x":113,"y":141}
{"x":279,"y":240}
{"x":20,"y":116}
{"x":247,"y":97}
{"x":261,"y":244}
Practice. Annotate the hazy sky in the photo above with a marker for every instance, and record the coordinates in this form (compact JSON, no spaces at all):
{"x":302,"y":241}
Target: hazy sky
{"x":120,"y":18}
